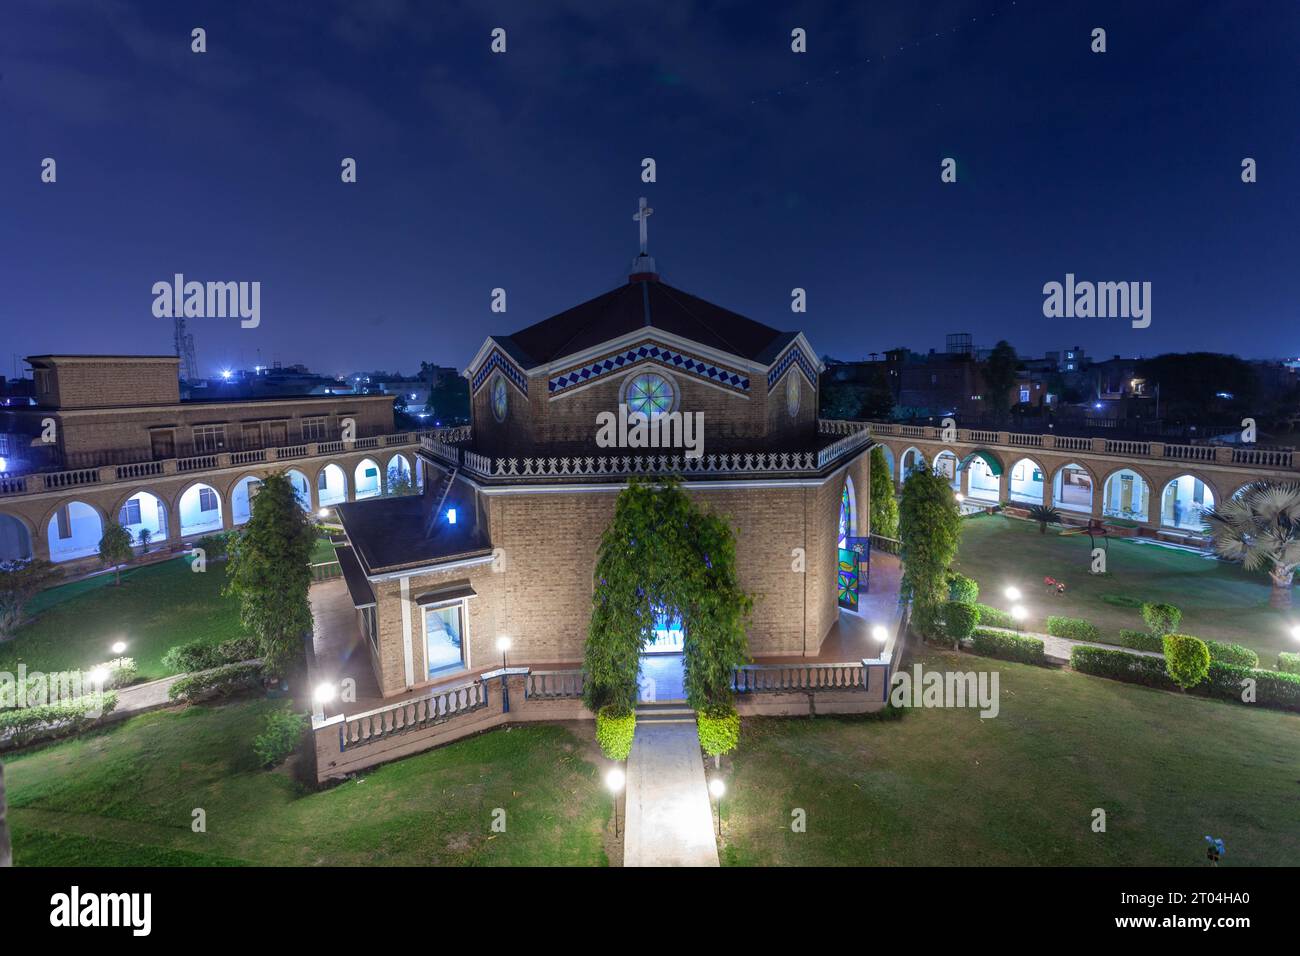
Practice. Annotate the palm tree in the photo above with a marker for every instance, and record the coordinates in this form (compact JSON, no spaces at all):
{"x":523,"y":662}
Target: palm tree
{"x":1044,"y":516}
{"x":1260,"y":527}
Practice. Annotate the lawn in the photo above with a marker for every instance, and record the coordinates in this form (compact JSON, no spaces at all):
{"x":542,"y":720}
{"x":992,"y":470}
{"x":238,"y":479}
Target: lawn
{"x":157,"y":607}
{"x":943,"y":787}
{"x":124,"y":796}
{"x":1219,"y":600}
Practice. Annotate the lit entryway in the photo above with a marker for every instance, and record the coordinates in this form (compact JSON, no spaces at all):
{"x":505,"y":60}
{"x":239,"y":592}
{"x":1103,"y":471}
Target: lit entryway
{"x":366,"y":479}
{"x":200,"y":510}
{"x":331,"y":486}
{"x":144,"y":512}
{"x":74,"y":532}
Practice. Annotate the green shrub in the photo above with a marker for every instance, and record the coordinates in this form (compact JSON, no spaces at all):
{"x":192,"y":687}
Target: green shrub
{"x":218,"y":682}
{"x":963,"y":589}
{"x":992,"y":617}
{"x":281,"y":736}
{"x":1162,"y":619}
{"x":719,"y":730}
{"x":1222,"y":653}
{"x":1008,"y":647}
{"x":1288,"y":663}
{"x":1187,"y":659}
{"x":216,"y":545}
{"x":194,"y":656}
{"x":23,"y":725}
{"x":1075,"y":628}
{"x":959,"y":620}
{"x":1139,"y":641}
{"x":614,"y":732}
{"x":1120,"y":665}
{"x":238,"y":649}
{"x":1272,"y":688}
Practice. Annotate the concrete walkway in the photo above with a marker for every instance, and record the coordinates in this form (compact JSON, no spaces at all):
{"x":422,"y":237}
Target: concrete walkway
{"x":141,"y":697}
{"x":669,"y":819}
{"x":1057,"y":649}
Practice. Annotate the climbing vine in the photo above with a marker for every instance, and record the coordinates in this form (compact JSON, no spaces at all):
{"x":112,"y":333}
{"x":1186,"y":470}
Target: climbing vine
{"x":663,"y":553}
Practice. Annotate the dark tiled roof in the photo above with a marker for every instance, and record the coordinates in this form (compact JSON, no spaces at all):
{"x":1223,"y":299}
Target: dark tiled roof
{"x":390,"y":534}
{"x":639,"y":305}
{"x":358,"y":587}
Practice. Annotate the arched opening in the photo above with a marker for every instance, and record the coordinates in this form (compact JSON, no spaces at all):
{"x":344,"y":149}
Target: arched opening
{"x":366,"y":479}
{"x":985,"y":471}
{"x":1026,"y":484}
{"x":850,"y":553}
{"x":1072,"y":488}
{"x":144,"y":512}
{"x":848,"y":523}
{"x":241,"y":499}
{"x":1126,"y":496}
{"x":331,"y":486}
{"x":74,"y":532}
{"x":15,"y":540}
{"x":912,"y":460}
{"x":399,"y":471}
{"x":200,"y":509}
{"x":945,"y":463}
{"x":419,"y":472}
{"x":301,"y":488}
{"x":1183,"y":501}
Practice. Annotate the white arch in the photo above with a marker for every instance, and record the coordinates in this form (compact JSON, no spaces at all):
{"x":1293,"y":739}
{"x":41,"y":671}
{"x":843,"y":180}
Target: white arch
{"x":1182,"y":502}
{"x":74,"y":531}
{"x":1126,"y":495}
{"x":241,"y":498}
{"x":366,"y":478}
{"x":200,"y":510}
{"x":144,"y":511}
{"x":912,"y":458}
{"x":398,"y":468}
{"x":301,"y":488}
{"x":847,"y":528}
{"x":945,"y":463}
{"x":1072,"y":488}
{"x":1025,"y":482}
{"x":15,"y":539}
{"x":331,"y":485}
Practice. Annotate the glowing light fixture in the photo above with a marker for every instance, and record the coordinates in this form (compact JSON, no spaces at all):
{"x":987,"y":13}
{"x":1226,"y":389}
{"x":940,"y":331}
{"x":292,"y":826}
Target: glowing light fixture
{"x":324,"y":693}
{"x":880,"y":633}
{"x":119,"y":647}
{"x":451,"y":516}
{"x":1012,"y":593}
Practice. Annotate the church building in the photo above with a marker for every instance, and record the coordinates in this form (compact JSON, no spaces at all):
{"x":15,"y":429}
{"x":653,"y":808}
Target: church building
{"x":497,"y":552}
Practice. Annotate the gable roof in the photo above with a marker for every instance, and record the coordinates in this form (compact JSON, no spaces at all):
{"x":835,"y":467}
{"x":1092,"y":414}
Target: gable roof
{"x":643,"y":304}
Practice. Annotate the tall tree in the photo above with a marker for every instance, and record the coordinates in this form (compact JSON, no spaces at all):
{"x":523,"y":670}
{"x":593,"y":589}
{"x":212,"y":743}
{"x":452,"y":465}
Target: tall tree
{"x":1260,"y":527}
{"x":929,"y":526}
{"x":19,"y":582}
{"x":884,"y":503}
{"x":115,"y":548}
{"x":999,"y":374}
{"x":269,"y":575}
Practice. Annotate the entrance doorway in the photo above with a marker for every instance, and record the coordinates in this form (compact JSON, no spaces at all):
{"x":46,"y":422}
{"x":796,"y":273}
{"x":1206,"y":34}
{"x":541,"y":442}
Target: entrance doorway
{"x":660,"y":677}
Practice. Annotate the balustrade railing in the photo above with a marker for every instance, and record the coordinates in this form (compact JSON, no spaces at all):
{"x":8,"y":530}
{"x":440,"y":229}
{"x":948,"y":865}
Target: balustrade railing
{"x":554,"y":685}
{"x":787,"y":678}
{"x":888,"y":545}
{"x":433,"y":708}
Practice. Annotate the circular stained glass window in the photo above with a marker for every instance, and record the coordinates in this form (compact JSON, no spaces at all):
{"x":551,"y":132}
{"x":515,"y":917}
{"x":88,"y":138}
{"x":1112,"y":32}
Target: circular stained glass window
{"x":649,"y":394}
{"x":500,"y":400}
{"x":792,"y":393}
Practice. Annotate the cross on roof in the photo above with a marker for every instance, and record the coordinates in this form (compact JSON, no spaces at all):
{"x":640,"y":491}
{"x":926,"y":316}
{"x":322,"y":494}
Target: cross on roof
{"x":641,"y":215}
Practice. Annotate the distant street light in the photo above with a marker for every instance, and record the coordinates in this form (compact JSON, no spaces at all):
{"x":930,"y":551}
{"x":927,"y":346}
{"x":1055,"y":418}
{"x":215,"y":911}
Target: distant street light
{"x":323,"y":514}
{"x":119,"y":647}
{"x":1012,"y":593}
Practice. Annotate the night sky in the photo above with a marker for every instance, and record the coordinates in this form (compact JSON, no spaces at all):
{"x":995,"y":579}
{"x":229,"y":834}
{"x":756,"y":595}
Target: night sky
{"x":522,"y":170}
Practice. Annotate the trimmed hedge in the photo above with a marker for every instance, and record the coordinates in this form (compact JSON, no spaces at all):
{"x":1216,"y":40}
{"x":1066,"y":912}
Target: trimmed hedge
{"x":1075,"y":628}
{"x":719,"y":730}
{"x":1223,"y":681}
{"x":614,"y":732}
{"x":1121,"y":665}
{"x":1288,"y":663}
{"x":1138,"y":640}
{"x":1187,"y":659}
{"x":992,"y":617}
{"x":28,"y":724}
{"x":217,"y":682}
{"x":1008,"y":647}
{"x":963,"y":589}
{"x":1222,"y":653}
{"x":202,"y":656}
{"x":1160,"y":618}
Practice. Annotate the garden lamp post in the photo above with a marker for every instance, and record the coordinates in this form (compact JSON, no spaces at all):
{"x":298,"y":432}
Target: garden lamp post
{"x":1012,"y":593}
{"x":1017,"y":615}
{"x":118,"y":647}
{"x":717,"y":787}
{"x":503,"y":645}
{"x":614,"y":781}
{"x":322,"y":695}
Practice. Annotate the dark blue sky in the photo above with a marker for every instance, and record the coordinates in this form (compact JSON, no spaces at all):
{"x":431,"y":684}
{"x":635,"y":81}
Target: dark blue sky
{"x":522,"y":171}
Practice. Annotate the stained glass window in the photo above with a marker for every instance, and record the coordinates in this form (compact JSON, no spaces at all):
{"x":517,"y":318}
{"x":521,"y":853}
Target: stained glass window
{"x":844,"y":516}
{"x":649,"y":394}
{"x":847,"y":579}
{"x":500,"y":399}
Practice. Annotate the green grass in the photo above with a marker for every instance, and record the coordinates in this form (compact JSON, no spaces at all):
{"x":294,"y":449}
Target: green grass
{"x":1218,"y":600}
{"x":322,"y":551}
{"x":124,"y":796}
{"x":157,"y":607}
{"x":943,"y":787}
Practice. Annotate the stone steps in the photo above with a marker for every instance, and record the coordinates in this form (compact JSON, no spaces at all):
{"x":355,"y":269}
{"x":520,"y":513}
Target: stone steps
{"x":665,"y":712}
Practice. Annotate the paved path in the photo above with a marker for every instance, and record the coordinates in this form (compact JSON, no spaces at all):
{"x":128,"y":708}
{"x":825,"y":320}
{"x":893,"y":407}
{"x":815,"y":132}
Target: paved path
{"x":669,"y":819}
{"x":1058,"y":649}
{"x":141,"y":697}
